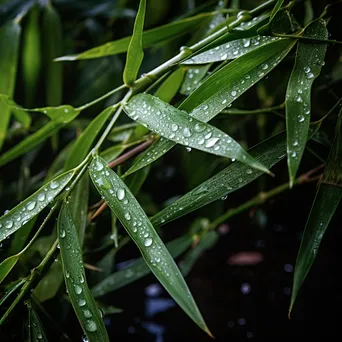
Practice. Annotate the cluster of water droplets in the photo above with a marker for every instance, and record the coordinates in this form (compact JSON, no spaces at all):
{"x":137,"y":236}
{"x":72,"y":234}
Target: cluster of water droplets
{"x":230,"y":50}
{"x":25,"y":211}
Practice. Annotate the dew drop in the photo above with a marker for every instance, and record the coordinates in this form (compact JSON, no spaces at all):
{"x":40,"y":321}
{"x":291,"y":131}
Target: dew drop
{"x":98,"y":166}
{"x":188,"y":149}
{"x":31,"y":205}
{"x":211,"y":142}
{"x":310,"y":75}
{"x":54,"y":185}
{"x":39,"y":336}
{"x":299,"y":99}
{"x":41,"y":197}
{"x":90,"y":326}
{"x":199,"y":127}
{"x":120,"y":194}
{"x":81,"y":302}
{"x":62,"y":233}
{"x":233,"y":93}
{"x":301,"y":118}
{"x":207,"y":136}
{"x":264,"y":66}
{"x":186,"y":132}
{"x":174,"y":127}
{"x":224,"y":57}
{"x":224,"y":101}
{"x":295,"y":143}
{"x":148,"y":242}
{"x":246,"y":42}
{"x":307,"y":70}
{"x":87,"y":313}
{"x":9,"y":224}
{"x":127,"y":216}
{"x":201,"y":142}
{"x":78,"y":289}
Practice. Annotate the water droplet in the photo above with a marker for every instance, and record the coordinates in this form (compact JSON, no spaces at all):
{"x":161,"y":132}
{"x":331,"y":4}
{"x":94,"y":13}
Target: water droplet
{"x":223,"y":198}
{"x":199,"y":127}
{"x":294,"y":154}
{"x":81,"y":302}
{"x":186,"y":132}
{"x":41,"y":197}
{"x":224,"y":101}
{"x":207,"y":136}
{"x":246,"y":42}
{"x":31,"y":205}
{"x":148,"y":242}
{"x":174,"y":127}
{"x":301,"y":118}
{"x":188,"y":149}
{"x":81,"y":279}
{"x":307,"y":69}
{"x":264,"y":66}
{"x":78,"y":289}
{"x":62,"y":233}
{"x":295,"y":143}
{"x":235,"y":52}
{"x":120,"y":194}
{"x":127,"y":216}
{"x":87,"y":313}
{"x":299,"y":99}
{"x":310,"y":75}
{"x":307,"y":111}
{"x":54,"y":185}
{"x":90,"y":326}
{"x":224,"y":57}
{"x":98,"y":166}
{"x":39,"y":336}
{"x":233,"y":93}
{"x":9,"y":224}
{"x":201,"y":142}
{"x":211,"y":142}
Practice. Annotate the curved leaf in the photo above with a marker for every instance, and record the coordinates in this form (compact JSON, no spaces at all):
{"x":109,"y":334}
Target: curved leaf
{"x":81,"y":299}
{"x":177,"y":126}
{"x":308,"y":65}
{"x":326,"y":202}
{"x":33,"y":205}
{"x":230,"y":50}
{"x":230,"y":179}
{"x":138,"y":268}
{"x":221,"y":89}
{"x":135,"y":53}
{"x":149,"y":38}
{"x":7,"y":265}
{"x":37,"y":332}
{"x":133,"y":218}
{"x":193,"y":77}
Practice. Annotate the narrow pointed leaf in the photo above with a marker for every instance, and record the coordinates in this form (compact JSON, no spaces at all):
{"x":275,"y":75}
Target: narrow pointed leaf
{"x":37,"y":331}
{"x":112,"y":152}
{"x":230,"y":50}
{"x":22,"y":117}
{"x":138,"y":269}
{"x":169,"y":88}
{"x":230,"y":179}
{"x":265,"y":29}
{"x":11,"y":290}
{"x":220,"y":89}
{"x":193,"y":78}
{"x":326,"y":202}
{"x":33,"y":205}
{"x":9,"y":47}
{"x":81,"y":299}
{"x":133,"y":218}
{"x":7,"y":265}
{"x":178,"y":126}
{"x":135,"y":53}
{"x":84,"y":142}
{"x":308,"y":65}
{"x":149,"y":38}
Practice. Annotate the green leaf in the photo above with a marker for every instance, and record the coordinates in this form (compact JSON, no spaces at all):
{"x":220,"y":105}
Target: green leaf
{"x":135,"y":53}
{"x":136,"y":181}
{"x":149,"y":38}
{"x":22,"y":117}
{"x":266,"y":28}
{"x":138,"y":268}
{"x":7,"y":265}
{"x":230,"y":179}
{"x":221,"y":89}
{"x":184,"y":129}
{"x":12,"y":289}
{"x":193,"y":77}
{"x":81,"y":299}
{"x":326,"y":202}
{"x":37,"y":331}
{"x":230,"y":50}
{"x":33,"y":205}
{"x":84,"y":142}
{"x":60,"y":116}
{"x":9,"y":47}
{"x":133,"y":218}
{"x":308,"y":65}
{"x":169,"y":88}
{"x":112,"y":152}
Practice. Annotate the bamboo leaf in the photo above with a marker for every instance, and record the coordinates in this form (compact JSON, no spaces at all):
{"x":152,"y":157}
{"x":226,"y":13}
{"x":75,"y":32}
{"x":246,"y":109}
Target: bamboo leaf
{"x":230,"y":179}
{"x":149,"y":38}
{"x":83,"y":143}
{"x":81,"y":299}
{"x":266,"y":28}
{"x":220,"y":90}
{"x":7,"y":265}
{"x":22,"y":117}
{"x":12,"y":289}
{"x":193,"y":77}
{"x":112,"y":152}
{"x":177,"y":126}
{"x":9,"y":47}
{"x":169,"y":88}
{"x":326,"y":202}
{"x":138,"y":268}
{"x":135,"y":53}
{"x":133,"y":218}
{"x":308,"y":65}
{"x":230,"y":50}
{"x":37,"y":331}
{"x":33,"y":205}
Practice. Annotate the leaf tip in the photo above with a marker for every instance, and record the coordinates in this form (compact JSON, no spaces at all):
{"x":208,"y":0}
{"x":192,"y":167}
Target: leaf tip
{"x":65,"y":58}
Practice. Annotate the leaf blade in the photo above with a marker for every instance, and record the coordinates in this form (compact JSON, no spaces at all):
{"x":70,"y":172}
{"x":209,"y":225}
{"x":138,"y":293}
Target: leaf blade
{"x":80,"y":296}
{"x":144,"y":235}
{"x":135,"y":53}
{"x":308,"y":64}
